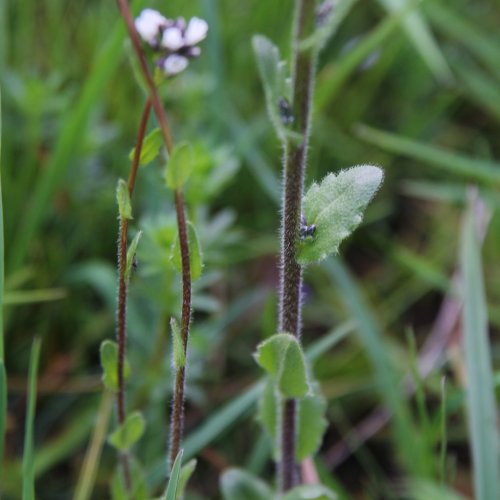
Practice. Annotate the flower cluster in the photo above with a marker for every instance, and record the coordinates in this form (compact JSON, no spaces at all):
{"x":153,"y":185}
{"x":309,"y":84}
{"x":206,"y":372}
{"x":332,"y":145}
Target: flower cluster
{"x":174,"y":39}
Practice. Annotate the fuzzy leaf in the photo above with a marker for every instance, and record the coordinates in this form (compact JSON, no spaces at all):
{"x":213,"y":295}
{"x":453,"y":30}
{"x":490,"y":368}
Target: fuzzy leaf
{"x":123,"y":199}
{"x":282,"y":357}
{"x":109,"y":364}
{"x":335,"y":207}
{"x":310,"y":492}
{"x":276,"y":82}
{"x":150,"y":147}
{"x":238,"y":484}
{"x":173,"y":481}
{"x":179,"y":166}
{"x":132,"y":249}
{"x":195,"y":255}
{"x":311,"y":425}
{"x":178,"y":356}
{"x":127,"y":434}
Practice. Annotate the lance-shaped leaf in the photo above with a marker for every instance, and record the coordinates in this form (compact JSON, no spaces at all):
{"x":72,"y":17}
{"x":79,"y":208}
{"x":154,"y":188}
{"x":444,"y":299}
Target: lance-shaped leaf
{"x":127,"y":434}
{"x":132,"y":249}
{"x":173,"y":481}
{"x":179,"y":166}
{"x":195,"y":255}
{"x":150,"y":147}
{"x":123,"y":200}
{"x":282,"y":357}
{"x":109,"y":364}
{"x":277,"y":84}
{"x":334,"y":208}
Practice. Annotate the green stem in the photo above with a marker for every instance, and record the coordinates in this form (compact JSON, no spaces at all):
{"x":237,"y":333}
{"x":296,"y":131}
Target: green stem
{"x":295,"y":158}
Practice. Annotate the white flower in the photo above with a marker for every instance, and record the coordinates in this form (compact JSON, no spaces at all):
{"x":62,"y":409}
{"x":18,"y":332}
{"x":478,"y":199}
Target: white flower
{"x":174,"y":64}
{"x":172,"y":39}
{"x":148,"y":25}
{"x":196,"y":31}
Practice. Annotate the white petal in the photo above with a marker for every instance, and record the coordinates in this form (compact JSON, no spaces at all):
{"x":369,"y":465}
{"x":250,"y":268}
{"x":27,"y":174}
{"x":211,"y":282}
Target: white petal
{"x":148,"y":25}
{"x":172,"y":39}
{"x":196,"y":31}
{"x":174,"y":64}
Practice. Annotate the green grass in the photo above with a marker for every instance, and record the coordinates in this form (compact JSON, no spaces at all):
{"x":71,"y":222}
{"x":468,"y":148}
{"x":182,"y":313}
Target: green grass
{"x":423,"y":82}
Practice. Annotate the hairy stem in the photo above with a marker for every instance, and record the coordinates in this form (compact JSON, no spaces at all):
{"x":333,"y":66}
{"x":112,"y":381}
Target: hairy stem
{"x":177,"y":422}
{"x":121,"y":319}
{"x":177,"y":419}
{"x":295,"y":157}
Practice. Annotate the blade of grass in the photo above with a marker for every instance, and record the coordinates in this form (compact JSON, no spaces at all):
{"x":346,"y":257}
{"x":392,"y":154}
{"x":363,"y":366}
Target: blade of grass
{"x":421,"y":36}
{"x":459,"y":164}
{"x":29,"y":452}
{"x":412,"y":450}
{"x":3,"y":375}
{"x":90,"y":465}
{"x":479,"y":386}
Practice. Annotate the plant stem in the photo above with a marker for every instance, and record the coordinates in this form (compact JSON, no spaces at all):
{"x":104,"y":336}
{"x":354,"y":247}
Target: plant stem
{"x":177,"y":421}
{"x":121,"y":320}
{"x":295,"y":157}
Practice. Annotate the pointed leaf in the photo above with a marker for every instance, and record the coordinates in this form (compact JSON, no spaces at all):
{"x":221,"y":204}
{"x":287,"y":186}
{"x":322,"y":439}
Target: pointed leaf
{"x":126,"y":435}
{"x":178,"y":356}
{"x":150,"y":147}
{"x":186,"y":472}
{"x":173,"y":481}
{"x":335,"y":207}
{"x":131,"y":254}
{"x":237,"y":484}
{"x":179,"y":166}
{"x":109,"y":364}
{"x":123,"y":199}
{"x":195,"y":255}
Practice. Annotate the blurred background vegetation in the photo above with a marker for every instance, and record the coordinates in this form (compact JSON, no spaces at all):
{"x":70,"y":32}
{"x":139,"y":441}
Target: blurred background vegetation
{"x":418,"y":95}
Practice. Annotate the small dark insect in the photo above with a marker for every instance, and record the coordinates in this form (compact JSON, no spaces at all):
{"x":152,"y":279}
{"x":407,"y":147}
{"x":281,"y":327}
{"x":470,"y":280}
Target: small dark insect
{"x":305,"y":230}
{"x":135,"y":263}
{"x":285,"y":110}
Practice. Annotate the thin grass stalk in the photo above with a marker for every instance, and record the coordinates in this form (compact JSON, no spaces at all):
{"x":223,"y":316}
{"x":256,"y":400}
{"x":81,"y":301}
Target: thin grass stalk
{"x":121,"y":320}
{"x":177,"y":422}
{"x":295,"y":157}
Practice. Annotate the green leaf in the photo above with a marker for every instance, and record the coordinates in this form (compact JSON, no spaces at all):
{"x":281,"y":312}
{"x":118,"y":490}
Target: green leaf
{"x":186,"y":472}
{"x":195,"y":255}
{"x":173,"y":481}
{"x":178,"y":355}
{"x":150,"y":147}
{"x":335,"y":207}
{"x":123,"y":199}
{"x":132,"y":249}
{"x":109,"y":364}
{"x":282,"y":357}
{"x":275,"y":80}
{"x":310,"y":492}
{"x":311,"y":425}
{"x":179,"y":166}
{"x":238,"y":484}
{"x":127,"y":434}
{"x":481,"y":407}
{"x":268,"y":412}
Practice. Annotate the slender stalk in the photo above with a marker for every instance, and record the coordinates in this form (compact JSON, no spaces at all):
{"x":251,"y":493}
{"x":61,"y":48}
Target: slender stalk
{"x":295,"y":157}
{"x":177,"y":418}
{"x":121,"y":320}
{"x":177,"y":422}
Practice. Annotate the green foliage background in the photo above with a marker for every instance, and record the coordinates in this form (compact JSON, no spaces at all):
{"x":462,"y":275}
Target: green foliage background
{"x":421,"y":99}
